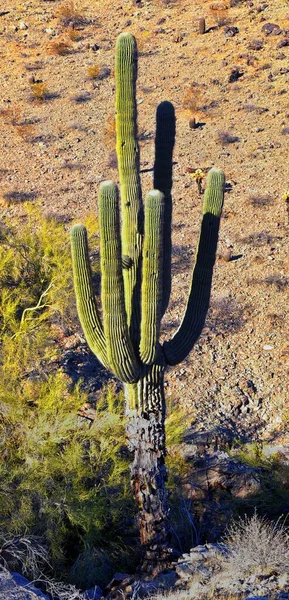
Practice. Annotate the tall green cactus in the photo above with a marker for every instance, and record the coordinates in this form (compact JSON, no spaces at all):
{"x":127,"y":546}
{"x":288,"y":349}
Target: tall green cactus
{"x":136,"y":282}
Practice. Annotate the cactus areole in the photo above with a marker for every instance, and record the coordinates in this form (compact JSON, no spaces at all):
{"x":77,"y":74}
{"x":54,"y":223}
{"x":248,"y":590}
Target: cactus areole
{"x":135,"y":248}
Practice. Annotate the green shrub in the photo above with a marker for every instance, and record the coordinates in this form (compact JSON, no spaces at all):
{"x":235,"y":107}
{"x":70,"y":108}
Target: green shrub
{"x":63,"y":478}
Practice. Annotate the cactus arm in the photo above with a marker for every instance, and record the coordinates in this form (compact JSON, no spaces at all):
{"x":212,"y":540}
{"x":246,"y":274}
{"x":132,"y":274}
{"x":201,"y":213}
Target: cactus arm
{"x":163,"y":172}
{"x":120,"y":352}
{"x":176,"y":349}
{"x":130,"y":187}
{"x":151,"y":292}
{"x":85,"y":299}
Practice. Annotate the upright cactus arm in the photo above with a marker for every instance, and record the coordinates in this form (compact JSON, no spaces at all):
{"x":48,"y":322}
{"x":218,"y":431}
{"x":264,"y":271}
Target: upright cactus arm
{"x":130,"y":187}
{"x":85,"y":299}
{"x":120,"y":352}
{"x":163,"y":181}
{"x":152,"y":276}
{"x":182,"y":342}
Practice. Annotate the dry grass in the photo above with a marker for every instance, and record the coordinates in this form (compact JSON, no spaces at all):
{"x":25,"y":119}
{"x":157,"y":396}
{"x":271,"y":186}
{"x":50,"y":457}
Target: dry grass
{"x":93,"y":71}
{"x":60,"y":48}
{"x":256,"y":547}
{"x":73,"y":34}
{"x":25,"y":131}
{"x":192,"y":98}
{"x":24,"y":552}
{"x":68,"y":15}
{"x":219,"y":15}
{"x":187,"y":595}
{"x":12,"y":115}
{"x":39,"y":91}
{"x":224,"y":137}
{"x":97,"y":72}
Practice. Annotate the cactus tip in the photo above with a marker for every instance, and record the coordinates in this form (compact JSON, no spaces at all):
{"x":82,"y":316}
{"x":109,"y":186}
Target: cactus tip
{"x":77,"y":228}
{"x":107,"y":183}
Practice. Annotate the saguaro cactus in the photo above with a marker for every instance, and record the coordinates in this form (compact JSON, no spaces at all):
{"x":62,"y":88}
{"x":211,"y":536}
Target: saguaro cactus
{"x":136,"y":282}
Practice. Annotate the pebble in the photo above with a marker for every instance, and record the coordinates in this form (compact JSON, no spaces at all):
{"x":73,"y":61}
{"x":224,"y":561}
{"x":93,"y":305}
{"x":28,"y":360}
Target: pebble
{"x":23,"y":25}
{"x":267,"y":347}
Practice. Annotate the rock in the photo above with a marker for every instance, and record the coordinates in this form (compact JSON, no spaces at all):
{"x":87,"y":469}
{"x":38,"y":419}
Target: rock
{"x":166,"y":580}
{"x":117,"y":579}
{"x":185,"y":569}
{"x":14,"y":586}
{"x":271,"y":29}
{"x":283,"y":43}
{"x":227,"y":255}
{"x":235,"y":75}
{"x":23,"y":25}
{"x":103,"y":73}
{"x":94,"y":593}
{"x":231,"y":31}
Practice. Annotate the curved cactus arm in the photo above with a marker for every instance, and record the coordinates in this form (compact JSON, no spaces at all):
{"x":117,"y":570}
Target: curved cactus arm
{"x":182,"y":342}
{"x":85,"y":299}
{"x":163,"y":181}
{"x":151,"y":292}
{"x":120,"y":352}
{"x":128,"y":162}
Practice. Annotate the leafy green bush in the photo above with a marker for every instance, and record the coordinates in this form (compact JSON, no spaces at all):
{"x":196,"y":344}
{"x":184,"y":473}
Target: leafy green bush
{"x":62,"y":478}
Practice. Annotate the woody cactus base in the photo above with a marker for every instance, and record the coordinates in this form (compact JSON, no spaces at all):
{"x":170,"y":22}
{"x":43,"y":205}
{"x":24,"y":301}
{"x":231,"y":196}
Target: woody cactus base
{"x":135,"y":289}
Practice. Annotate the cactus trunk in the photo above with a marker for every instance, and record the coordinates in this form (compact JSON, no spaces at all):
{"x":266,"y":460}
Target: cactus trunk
{"x":136,"y":283}
{"x":146,"y":434}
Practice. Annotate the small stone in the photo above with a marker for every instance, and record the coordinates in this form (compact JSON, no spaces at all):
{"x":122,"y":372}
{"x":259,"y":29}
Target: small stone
{"x":231,"y":31}
{"x":50,"y":31}
{"x":103,"y":73}
{"x":267,"y":347}
{"x":271,"y":29}
{"x":283,"y":43}
{"x":23,"y":25}
{"x":235,"y":74}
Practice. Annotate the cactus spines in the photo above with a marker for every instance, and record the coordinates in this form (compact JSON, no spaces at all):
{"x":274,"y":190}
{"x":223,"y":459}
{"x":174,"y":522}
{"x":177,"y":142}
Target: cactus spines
{"x":128,"y":165}
{"x":85,"y":299}
{"x":151,"y":292}
{"x":135,"y":291}
{"x":120,"y":353}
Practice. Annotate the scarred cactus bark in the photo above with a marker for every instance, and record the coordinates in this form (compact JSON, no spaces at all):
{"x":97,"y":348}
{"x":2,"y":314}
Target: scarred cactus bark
{"x":136,"y":284}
